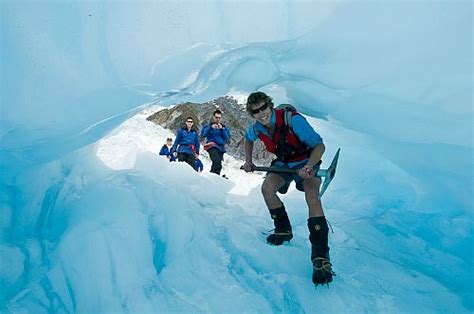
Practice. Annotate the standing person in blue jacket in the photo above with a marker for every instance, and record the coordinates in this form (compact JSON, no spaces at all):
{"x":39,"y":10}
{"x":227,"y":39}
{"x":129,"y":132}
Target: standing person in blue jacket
{"x":217,"y":135}
{"x":296,"y":145}
{"x":166,"y":150}
{"x":186,"y":143}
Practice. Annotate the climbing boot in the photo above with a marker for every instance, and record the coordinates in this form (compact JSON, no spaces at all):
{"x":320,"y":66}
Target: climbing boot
{"x":282,"y":231}
{"x":318,"y":236}
{"x":322,"y":271}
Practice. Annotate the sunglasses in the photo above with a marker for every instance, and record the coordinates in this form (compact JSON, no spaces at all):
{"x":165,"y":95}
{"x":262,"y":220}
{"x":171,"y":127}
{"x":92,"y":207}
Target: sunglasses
{"x":189,"y":121}
{"x":262,"y":108}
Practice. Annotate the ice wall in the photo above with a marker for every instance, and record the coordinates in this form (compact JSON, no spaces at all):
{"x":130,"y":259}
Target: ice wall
{"x":91,"y":61}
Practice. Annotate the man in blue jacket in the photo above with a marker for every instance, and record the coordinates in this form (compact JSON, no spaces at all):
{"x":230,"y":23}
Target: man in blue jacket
{"x":165,"y":150}
{"x":217,"y":135}
{"x":296,"y":145}
{"x":186,"y":143}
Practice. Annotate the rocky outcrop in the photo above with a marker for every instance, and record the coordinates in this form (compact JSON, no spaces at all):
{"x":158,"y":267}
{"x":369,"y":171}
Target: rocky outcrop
{"x":234,"y":116}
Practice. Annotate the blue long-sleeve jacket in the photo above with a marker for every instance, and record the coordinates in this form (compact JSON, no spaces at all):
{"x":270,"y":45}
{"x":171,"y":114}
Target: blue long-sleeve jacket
{"x":186,"y":142}
{"x":165,"y":151}
{"x":218,"y":136}
{"x":301,"y":128}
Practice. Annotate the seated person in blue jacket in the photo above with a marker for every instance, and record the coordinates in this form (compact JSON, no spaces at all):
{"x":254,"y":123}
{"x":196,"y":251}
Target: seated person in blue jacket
{"x":186,"y":143}
{"x":198,"y":166}
{"x":217,"y":135}
{"x":166,"y":150}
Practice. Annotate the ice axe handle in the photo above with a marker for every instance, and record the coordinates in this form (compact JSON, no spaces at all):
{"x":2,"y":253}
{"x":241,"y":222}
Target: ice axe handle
{"x":320,"y":173}
{"x":328,"y":174}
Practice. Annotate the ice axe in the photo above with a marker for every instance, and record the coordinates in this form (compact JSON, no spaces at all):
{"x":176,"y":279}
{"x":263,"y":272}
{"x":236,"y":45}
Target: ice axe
{"x":326,"y":174}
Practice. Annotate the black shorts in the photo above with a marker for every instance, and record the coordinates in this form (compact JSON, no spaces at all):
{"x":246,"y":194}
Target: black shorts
{"x":289,"y":177}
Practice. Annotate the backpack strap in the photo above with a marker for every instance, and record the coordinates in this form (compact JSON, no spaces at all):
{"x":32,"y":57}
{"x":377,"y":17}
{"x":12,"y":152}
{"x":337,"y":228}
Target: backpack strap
{"x":288,"y":142}
{"x":288,"y":112}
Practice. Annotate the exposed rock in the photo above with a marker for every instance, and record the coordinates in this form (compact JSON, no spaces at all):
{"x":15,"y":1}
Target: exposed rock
{"x":234,"y":116}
